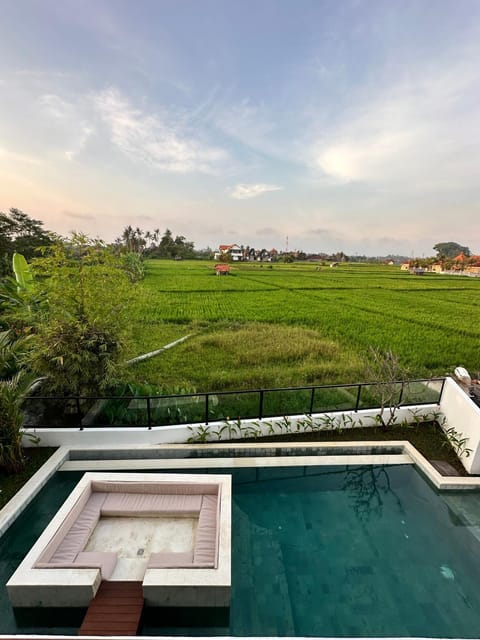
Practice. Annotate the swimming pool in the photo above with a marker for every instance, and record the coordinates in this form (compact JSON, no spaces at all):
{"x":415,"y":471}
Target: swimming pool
{"x":316,"y":551}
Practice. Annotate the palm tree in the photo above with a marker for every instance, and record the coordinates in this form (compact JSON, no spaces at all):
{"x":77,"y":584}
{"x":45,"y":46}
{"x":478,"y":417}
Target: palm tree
{"x":13,"y":391}
{"x":15,"y":384}
{"x":128,"y":237}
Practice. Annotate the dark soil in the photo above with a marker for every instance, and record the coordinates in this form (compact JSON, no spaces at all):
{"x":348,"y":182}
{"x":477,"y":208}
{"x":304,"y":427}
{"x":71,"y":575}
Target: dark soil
{"x":10,"y":484}
{"x":428,"y":438}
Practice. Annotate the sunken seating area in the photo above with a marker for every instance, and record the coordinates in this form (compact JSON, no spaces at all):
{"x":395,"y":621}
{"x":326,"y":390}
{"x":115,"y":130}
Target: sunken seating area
{"x":62,"y":557}
{"x":108,"y":499}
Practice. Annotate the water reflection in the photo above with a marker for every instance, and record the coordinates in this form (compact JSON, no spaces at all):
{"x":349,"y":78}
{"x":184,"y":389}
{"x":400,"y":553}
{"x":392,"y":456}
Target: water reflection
{"x":368,"y":488}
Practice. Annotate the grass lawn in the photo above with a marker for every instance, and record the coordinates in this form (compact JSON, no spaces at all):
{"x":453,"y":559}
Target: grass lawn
{"x":281,"y":325}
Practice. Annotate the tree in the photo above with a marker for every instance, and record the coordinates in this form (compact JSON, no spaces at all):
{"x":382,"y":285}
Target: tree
{"x":166,"y":248}
{"x":146,"y":243}
{"x":22,"y":234}
{"x":450,"y":249}
{"x":384,"y":369}
{"x":80,"y":335}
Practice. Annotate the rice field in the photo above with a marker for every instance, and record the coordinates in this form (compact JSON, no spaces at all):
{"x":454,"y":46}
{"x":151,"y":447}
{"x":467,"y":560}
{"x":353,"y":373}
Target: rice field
{"x":281,"y":325}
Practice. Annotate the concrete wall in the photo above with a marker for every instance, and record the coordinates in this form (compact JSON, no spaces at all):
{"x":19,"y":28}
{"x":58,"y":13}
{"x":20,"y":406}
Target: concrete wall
{"x":220,"y":431}
{"x":464,"y":416}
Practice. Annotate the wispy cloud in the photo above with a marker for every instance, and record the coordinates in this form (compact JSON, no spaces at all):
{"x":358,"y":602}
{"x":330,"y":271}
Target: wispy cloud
{"x":11,"y":156}
{"x":246,"y":191}
{"x":78,"y":215}
{"x":41,"y":74}
{"x":73,"y":123}
{"x":248,"y":123}
{"x":154,"y":140}
{"x":410,"y":134}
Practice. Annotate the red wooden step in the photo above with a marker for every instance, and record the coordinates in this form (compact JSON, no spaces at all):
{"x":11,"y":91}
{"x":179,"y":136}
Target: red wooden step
{"x":115,"y":611}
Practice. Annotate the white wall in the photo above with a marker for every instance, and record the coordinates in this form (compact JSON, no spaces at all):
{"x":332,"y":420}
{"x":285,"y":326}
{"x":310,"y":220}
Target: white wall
{"x":177,"y":434}
{"x":464,"y":416}
{"x":456,"y":406}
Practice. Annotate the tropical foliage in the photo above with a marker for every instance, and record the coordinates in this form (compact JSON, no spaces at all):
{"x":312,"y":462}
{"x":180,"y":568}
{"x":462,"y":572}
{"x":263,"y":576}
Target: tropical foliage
{"x":80,"y":334}
{"x":15,"y":384}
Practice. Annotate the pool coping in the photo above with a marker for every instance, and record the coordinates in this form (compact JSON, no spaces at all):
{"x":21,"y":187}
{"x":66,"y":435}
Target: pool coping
{"x":61,"y":459}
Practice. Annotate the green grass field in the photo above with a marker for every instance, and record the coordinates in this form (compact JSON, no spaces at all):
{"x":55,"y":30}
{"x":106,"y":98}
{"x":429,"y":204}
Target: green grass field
{"x":288,"y":325}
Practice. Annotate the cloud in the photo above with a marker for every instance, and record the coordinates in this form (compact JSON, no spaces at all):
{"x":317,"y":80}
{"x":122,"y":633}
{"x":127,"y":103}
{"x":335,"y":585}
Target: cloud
{"x":78,"y":216}
{"x":266,"y":231}
{"x":415,"y":134}
{"x":11,"y":156}
{"x":84,"y":134}
{"x":250,"y":124}
{"x":73,"y":123}
{"x":56,"y":107}
{"x":246,"y":191}
{"x":159,"y":142}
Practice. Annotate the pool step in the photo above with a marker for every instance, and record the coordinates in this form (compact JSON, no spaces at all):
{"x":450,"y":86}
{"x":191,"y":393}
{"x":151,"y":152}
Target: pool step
{"x":115,"y":611}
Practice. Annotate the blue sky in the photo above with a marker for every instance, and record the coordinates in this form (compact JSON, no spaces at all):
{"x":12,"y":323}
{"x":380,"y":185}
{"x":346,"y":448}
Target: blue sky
{"x":349,"y":125}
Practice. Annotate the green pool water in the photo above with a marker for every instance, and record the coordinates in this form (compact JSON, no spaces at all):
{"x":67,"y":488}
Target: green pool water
{"x":316,"y":551}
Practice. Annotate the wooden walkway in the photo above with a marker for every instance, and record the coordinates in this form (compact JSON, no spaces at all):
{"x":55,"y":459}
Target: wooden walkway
{"x":115,"y":611}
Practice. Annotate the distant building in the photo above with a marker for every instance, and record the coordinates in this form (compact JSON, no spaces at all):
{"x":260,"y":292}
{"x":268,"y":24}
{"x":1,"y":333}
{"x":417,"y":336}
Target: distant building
{"x":232,"y":251}
{"x":236,"y":253}
{"x":461,"y":258}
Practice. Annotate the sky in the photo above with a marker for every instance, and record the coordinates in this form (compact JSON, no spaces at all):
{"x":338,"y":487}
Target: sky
{"x":326,"y":125}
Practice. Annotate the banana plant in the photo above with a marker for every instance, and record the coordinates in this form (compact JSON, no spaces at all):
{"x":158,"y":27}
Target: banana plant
{"x":23,"y":273}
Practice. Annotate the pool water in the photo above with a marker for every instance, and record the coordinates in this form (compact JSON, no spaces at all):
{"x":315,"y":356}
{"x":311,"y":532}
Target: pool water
{"x":316,"y":551}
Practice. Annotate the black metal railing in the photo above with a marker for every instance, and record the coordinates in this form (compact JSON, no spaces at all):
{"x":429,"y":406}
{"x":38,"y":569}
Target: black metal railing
{"x":82,"y":412}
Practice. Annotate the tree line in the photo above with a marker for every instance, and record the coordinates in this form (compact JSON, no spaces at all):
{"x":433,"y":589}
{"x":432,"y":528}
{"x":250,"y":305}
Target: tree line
{"x":23,"y":234}
{"x":153,"y":245}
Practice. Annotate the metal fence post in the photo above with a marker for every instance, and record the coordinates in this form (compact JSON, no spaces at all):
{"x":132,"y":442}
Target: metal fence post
{"x":149,"y":413}
{"x":206,"y":408}
{"x":357,"y":402}
{"x":311,"y":400}
{"x":79,"y":412}
{"x":260,"y":406}
{"x":401,"y":394}
{"x":441,"y":390}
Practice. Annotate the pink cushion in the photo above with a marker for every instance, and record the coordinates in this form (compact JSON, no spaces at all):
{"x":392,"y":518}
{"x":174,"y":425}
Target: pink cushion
{"x":106,"y":561}
{"x":143,"y":504}
{"x":170,"y":559}
{"x":77,"y":537}
{"x":65,"y":549}
{"x":62,"y":530}
{"x":177,"y":488}
{"x":207,"y":533}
